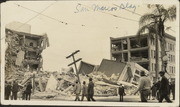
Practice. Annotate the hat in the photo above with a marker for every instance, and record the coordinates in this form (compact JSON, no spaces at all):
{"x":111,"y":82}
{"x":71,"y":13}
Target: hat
{"x":90,"y":79}
{"x":161,"y":72}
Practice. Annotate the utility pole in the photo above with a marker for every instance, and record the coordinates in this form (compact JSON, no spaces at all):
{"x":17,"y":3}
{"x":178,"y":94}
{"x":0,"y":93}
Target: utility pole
{"x":74,"y":62}
{"x":157,"y":56}
{"x":156,"y":48}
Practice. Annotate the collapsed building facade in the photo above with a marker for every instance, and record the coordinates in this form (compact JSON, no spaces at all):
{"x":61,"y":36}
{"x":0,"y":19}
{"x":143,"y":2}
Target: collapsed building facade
{"x":23,"y":53}
{"x":128,"y":49}
{"x":110,"y":74}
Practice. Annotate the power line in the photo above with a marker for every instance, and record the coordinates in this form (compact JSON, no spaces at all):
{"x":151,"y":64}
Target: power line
{"x":141,"y":15}
{"x":40,"y":13}
{"x":124,"y":17}
{"x":32,"y":17}
{"x":66,"y":23}
{"x":35,"y":15}
{"x":120,"y":17}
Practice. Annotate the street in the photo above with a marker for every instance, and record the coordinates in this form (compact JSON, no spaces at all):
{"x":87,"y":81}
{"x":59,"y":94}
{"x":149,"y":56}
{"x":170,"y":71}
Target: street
{"x":127,"y":98}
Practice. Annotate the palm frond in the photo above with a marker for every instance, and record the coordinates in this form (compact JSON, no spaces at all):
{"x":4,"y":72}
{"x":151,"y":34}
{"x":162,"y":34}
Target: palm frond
{"x":172,"y":13}
{"x":146,"y":18}
{"x":150,"y":27}
{"x":151,"y":30}
{"x":158,"y":9}
{"x":167,"y":28}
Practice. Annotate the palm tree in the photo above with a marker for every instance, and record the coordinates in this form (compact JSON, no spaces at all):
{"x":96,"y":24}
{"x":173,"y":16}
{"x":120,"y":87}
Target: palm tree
{"x":154,"y":23}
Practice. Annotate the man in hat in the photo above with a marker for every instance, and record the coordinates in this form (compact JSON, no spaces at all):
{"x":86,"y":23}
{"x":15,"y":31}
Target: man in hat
{"x":164,"y":88}
{"x":7,"y":90}
{"x":77,"y":90}
{"x":91,"y":90}
{"x":15,"y":89}
{"x":121,"y":92}
{"x":28,"y":91}
{"x":84,"y":91}
{"x":144,"y":87}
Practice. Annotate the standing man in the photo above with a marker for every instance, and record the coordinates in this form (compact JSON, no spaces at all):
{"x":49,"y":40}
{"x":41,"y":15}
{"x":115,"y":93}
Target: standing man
{"x":144,"y":87}
{"x":91,"y":90}
{"x":84,"y":91}
{"x":77,"y":90}
{"x":121,"y":92}
{"x":164,"y":88}
{"x":28,"y":91}
{"x":157,"y":85}
{"x":15,"y":89}
{"x":173,"y":89}
{"x":153,"y":90}
{"x":7,"y":90}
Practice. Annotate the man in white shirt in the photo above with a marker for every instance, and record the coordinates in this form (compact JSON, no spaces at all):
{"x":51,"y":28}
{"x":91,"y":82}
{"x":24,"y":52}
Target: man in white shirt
{"x":144,"y":87}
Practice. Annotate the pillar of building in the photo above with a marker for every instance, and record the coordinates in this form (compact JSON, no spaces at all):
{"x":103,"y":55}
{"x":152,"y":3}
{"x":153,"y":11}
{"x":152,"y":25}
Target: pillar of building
{"x":128,"y":47}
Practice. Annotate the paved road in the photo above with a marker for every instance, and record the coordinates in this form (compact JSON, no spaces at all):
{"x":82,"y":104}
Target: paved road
{"x":127,"y":98}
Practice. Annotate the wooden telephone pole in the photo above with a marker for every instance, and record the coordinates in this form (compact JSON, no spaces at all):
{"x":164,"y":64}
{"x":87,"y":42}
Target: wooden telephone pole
{"x":74,"y":62}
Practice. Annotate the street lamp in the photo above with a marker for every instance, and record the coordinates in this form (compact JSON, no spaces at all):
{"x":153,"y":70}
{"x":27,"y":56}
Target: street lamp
{"x":165,"y":62}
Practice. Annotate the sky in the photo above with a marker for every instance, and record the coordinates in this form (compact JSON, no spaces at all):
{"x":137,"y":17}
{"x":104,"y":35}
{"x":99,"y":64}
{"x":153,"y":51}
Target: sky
{"x":73,"y":25}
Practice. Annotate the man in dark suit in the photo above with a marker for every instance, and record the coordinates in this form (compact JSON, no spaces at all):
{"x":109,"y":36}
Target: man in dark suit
{"x":7,"y":90}
{"x":15,"y":89}
{"x":28,"y":91}
{"x":173,"y":89}
{"x":164,"y":88}
{"x":121,"y":92}
{"x":91,"y":90}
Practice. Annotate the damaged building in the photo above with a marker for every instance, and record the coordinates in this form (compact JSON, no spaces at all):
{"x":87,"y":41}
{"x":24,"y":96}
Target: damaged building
{"x":23,"y":51}
{"x":109,"y":74}
{"x":142,"y":51}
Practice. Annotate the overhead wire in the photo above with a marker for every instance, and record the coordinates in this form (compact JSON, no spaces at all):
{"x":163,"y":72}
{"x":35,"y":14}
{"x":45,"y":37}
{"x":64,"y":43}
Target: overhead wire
{"x":41,"y":13}
{"x":141,"y":16}
{"x":32,"y":17}
{"x":55,"y":19}
{"x":124,"y":17}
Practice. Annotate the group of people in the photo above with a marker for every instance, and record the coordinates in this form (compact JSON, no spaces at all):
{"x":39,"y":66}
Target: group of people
{"x":155,"y":93}
{"x":159,"y":90}
{"x":87,"y":91}
{"x":12,"y":90}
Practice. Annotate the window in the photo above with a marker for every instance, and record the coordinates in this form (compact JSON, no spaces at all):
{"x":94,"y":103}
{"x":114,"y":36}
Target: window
{"x":152,"y":67}
{"x":170,"y":69}
{"x":137,"y":72}
{"x":173,"y":47}
{"x":31,"y":44}
{"x":167,"y":46}
{"x":173,"y":58}
{"x":152,"y":55}
{"x":170,"y":58}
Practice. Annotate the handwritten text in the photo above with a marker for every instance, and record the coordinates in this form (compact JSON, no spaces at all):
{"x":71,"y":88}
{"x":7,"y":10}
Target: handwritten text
{"x":96,"y":7}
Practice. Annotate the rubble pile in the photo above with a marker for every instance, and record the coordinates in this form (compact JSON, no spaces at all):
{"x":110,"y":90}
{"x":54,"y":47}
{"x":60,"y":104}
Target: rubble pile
{"x":66,"y":80}
{"x":103,"y":84}
{"x":63,"y":88}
